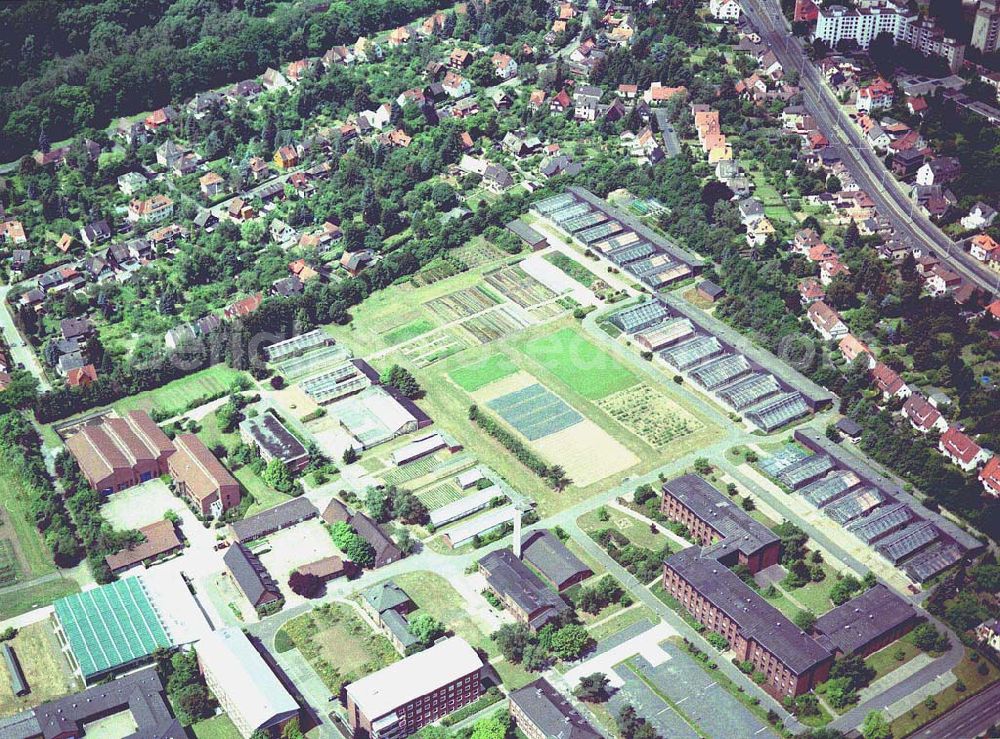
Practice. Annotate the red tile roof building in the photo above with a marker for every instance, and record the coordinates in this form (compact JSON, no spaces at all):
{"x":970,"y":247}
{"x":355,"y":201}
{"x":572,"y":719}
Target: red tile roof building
{"x":962,"y":450}
{"x":120,"y":452}
{"x":889,"y":382}
{"x":201,"y":477}
{"x":922,"y":415}
{"x":990,"y":477}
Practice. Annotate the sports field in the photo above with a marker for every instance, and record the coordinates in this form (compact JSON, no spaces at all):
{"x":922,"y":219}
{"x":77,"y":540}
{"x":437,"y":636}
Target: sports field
{"x":177,"y":396}
{"x":472,"y":377}
{"x":583,"y":366}
{"x":535,"y":411}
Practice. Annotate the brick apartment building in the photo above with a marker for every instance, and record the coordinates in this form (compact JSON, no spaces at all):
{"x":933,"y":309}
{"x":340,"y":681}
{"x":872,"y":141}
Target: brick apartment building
{"x":201,"y":477}
{"x":713,"y":519}
{"x":118,"y":453}
{"x":541,"y":712}
{"x":792,"y":662}
{"x":400,"y":699}
{"x":866,"y":623}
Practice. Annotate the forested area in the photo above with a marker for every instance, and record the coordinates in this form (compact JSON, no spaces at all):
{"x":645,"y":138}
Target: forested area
{"x":71,"y":66}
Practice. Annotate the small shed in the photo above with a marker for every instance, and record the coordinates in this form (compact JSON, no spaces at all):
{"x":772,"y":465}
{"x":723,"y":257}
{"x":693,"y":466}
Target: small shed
{"x":18,"y":683}
{"x":710,"y":291}
{"x":851,"y":429}
{"x":527,"y":234}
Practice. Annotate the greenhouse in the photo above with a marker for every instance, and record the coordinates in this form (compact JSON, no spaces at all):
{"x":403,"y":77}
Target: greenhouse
{"x":720,"y":371}
{"x":692,"y":352}
{"x":805,"y":471}
{"x":928,"y":563}
{"x":776,"y":412}
{"x":829,"y":488}
{"x":556,"y":202}
{"x":881,"y":522}
{"x":855,"y":504}
{"x":749,"y":391}
{"x":907,"y":542}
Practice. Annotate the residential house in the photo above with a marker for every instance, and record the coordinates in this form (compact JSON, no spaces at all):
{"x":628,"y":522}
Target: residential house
{"x":504,"y":66}
{"x":152,"y":210}
{"x":95,"y":233}
{"x":456,"y":85}
{"x":199,"y":476}
{"x":354,"y":262}
{"x":980,"y":216}
{"x":962,"y":450}
{"x":296,"y":71}
{"x":239,"y":210}
{"x":826,"y":321}
{"x":942,"y":280}
{"x":923,"y":416}
{"x":520,"y":144}
{"x":759,"y":232}
{"x":243,"y":307}
{"x":81,"y":376}
{"x":660,"y":94}
{"x":337,"y":55}
{"x":211,"y":184}
{"x":245,"y":90}
{"x":888,"y":381}
{"x":286,"y":157}
{"x":272,"y":79}
{"x":497,"y":179}
{"x":984,"y":248}
{"x":877,"y":96}
{"x":852,"y":348}
{"x":585,"y":101}
{"x":131,"y":182}
{"x":989,"y":476}
{"x":460,"y":58}
{"x":399,"y":37}
{"x":725,"y":10}
{"x":159,"y":118}
{"x":560,"y":102}
{"x":916,"y":105}
{"x":939,"y":171}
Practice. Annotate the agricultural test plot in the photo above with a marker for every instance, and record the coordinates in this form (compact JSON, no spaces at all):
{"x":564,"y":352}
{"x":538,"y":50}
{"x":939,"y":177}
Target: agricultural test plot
{"x":407,"y":331}
{"x":654,"y":418}
{"x":461,"y":304}
{"x":411,"y":471}
{"x":10,"y":569}
{"x":438,"y":496}
{"x":430,"y":348}
{"x":472,"y":377}
{"x":495,"y":324}
{"x":582,"y":365}
{"x":535,"y":411}
{"x":519,"y":286}
{"x":477,"y":253}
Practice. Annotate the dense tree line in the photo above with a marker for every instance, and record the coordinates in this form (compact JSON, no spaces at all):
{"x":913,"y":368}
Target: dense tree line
{"x":72,"y":66}
{"x":553,"y":474}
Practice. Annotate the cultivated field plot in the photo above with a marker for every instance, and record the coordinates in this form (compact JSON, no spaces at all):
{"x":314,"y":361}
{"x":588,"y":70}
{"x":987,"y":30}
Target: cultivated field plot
{"x":493,"y":325}
{"x":587,"y":452}
{"x":535,"y":411}
{"x":652,"y":417}
{"x":411,"y":471}
{"x":461,"y":304}
{"x":10,"y":570}
{"x":477,"y":254}
{"x":586,"y":368}
{"x":407,"y":331}
{"x":436,"y":271}
{"x":177,"y":396}
{"x":519,"y":286}
{"x":426,"y":350}
{"x":440,"y":495}
{"x":471,"y":377}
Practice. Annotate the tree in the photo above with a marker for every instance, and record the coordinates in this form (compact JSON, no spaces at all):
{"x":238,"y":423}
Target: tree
{"x":570,"y":641}
{"x":408,"y":508}
{"x":403,"y":380}
{"x":876,"y":726}
{"x":593,"y":688}
{"x":276,"y":475}
{"x":426,"y":628}
{"x":805,"y":620}
{"x":305,"y":584}
{"x":350,"y":455}
{"x":195,"y":701}
{"x":512,"y":640}
{"x":748,"y":504}
{"x":489,"y":728}
{"x":378,"y":501}
{"x":702,"y":466}
{"x":854,"y":670}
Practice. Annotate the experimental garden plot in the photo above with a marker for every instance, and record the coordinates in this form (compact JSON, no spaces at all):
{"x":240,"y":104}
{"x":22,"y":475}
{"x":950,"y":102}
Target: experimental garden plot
{"x":461,"y":304}
{"x":535,"y":411}
{"x":476,"y":255}
{"x":426,"y":350}
{"x":440,"y":495}
{"x":10,"y":570}
{"x":649,"y":415}
{"x":493,"y":325}
{"x":519,"y":286}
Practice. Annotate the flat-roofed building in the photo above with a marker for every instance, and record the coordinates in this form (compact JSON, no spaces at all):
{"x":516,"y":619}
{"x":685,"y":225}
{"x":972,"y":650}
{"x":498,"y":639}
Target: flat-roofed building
{"x":120,"y":452}
{"x":542,"y":712}
{"x":792,"y":662}
{"x":201,"y":477}
{"x":713,"y":519}
{"x":402,"y":698}
{"x":246,"y":688}
{"x":268,"y":435}
{"x":866,"y":623}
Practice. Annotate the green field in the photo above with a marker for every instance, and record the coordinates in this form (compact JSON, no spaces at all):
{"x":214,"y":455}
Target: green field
{"x":435,"y":595}
{"x":16,"y":602}
{"x":472,"y":377}
{"x":583,"y":366}
{"x":264,"y":496}
{"x":217,"y":727}
{"x":175,"y":397}
{"x":408,"y":331}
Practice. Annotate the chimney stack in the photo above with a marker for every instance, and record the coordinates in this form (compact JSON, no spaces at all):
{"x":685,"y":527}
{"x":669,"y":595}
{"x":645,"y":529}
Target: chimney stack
{"x":517,"y":531}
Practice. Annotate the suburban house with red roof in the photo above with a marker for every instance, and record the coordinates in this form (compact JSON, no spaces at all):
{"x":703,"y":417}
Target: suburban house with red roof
{"x":962,"y":450}
{"x":826,"y":321}
{"x":889,"y":382}
{"x":923,"y":416}
{"x":852,"y":347}
{"x":990,"y":477}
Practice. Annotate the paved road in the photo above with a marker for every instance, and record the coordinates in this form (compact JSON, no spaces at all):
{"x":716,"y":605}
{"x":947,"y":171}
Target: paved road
{"x":968,"y":719}
{"x":20,"y":351}
{"x":864,"y":164}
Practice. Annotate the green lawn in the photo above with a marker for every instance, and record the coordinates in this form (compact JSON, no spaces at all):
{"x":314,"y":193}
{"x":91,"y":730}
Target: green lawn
{"x":637,"y":532}
{"x":572,"y":268}
{"x":175,"y":397}
{"x":472,"y":377}
{"x":620,"y":621}
{"x":45,"y":667}
{"x":217,"y":727}
{"x":888,"y":659}
{"x":16,"y":602}
{"x":584,"y":366}
{"x":434,"y":595}
{"x":408,"y":331}
{"x":264,"y":496}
